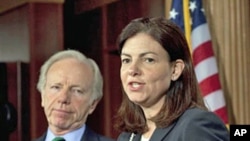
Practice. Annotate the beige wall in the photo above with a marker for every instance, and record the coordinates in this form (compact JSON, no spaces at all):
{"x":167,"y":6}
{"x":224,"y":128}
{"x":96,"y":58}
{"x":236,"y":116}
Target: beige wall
{"x":14,"y":37}
{"x":229,"y":22}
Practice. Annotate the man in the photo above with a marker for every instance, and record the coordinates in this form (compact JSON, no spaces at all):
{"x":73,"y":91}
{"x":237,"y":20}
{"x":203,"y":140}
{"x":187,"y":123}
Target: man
{"x":71,"y":87}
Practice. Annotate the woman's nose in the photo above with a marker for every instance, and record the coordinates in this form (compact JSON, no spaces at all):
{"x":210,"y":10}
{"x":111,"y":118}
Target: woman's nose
{"x":134,"y":70}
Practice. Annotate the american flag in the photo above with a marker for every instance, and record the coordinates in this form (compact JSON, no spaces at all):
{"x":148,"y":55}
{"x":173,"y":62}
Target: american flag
{"x":191,"y":13}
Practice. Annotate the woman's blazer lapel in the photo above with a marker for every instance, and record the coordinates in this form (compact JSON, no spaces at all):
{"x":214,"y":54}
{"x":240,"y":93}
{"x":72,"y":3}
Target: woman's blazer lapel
{"x":160,"y":133}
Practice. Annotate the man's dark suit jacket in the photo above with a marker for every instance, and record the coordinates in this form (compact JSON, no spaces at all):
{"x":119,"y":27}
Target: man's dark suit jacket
{"x":88,"y":135}
{"x":194,"y":125}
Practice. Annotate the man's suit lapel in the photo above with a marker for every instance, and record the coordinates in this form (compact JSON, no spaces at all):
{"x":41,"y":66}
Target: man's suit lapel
{"x":89,"y":135}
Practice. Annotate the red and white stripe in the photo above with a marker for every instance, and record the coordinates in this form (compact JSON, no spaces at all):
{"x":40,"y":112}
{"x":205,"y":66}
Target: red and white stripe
{"x":207,"y":72}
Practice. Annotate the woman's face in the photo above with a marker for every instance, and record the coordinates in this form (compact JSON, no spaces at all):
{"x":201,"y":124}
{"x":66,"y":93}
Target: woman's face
{"x":145,"y":72}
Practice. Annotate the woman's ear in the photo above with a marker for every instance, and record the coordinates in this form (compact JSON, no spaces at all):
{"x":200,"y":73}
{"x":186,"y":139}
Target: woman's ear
{"x":178,"y":67}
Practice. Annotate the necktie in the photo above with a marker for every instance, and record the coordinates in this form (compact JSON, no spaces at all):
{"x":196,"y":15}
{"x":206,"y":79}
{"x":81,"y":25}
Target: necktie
{"x":58,"y":139}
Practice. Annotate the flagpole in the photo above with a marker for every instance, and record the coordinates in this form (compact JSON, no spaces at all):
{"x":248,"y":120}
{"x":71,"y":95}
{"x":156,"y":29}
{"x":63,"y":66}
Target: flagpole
{"x":187,"y":24}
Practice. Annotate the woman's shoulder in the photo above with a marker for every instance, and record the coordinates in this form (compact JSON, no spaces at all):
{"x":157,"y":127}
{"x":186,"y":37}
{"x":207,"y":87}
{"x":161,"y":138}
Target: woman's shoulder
{"x":199,"y":119}
{"x":198,"y":113}
{"x":201,"y":124}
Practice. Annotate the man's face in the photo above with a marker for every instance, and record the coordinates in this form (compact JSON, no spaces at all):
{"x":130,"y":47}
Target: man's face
{"x":67,"y":97}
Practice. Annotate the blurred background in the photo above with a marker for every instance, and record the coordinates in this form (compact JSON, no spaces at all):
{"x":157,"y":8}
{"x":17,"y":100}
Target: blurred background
{"x":32,"y":30}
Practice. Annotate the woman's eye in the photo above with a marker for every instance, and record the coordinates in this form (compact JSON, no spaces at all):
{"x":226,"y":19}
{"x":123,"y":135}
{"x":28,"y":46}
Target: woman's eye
{"x":149,"y":60}
{"x":125,"y":60}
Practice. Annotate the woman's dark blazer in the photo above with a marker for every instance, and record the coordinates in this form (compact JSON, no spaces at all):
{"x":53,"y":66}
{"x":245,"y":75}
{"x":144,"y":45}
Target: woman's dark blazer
{"x":88,"y":135}
{"x":194,"y":125}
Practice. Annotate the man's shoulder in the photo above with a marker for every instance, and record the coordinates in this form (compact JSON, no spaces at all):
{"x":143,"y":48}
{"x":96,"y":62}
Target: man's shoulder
{"x":41,"y":138}
{"x":90,"y":135}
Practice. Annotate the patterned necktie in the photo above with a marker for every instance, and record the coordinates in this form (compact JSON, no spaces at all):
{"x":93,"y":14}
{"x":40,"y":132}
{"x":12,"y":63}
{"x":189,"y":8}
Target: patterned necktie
{"x":58,"y":139}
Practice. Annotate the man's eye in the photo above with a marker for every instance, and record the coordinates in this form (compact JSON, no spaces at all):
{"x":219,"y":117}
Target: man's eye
{"x":55,"y":87}
{"x":77,"y":91}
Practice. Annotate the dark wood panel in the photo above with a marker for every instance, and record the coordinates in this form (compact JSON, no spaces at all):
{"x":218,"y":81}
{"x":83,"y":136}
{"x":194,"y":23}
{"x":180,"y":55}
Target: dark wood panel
{"x":18,"y":95}
{"x":6,"y":125}
{"x":14,"y":103}
{"x":88,"y":5}
{"x":94,"y":32}
{"x":46,"y":38}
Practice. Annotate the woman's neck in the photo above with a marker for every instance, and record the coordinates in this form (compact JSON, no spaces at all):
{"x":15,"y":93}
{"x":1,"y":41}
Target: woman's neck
{"x":151,"y":128}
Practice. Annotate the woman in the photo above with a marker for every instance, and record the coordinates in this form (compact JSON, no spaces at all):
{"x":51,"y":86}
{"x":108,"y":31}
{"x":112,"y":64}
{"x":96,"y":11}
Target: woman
{"x":161,"y":99}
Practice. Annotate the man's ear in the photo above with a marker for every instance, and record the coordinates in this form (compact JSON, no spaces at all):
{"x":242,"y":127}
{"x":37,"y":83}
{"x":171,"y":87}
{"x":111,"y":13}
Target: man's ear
{"x":178,"y":67}
{"x":93,"y":106}
{"x":42,"y":99}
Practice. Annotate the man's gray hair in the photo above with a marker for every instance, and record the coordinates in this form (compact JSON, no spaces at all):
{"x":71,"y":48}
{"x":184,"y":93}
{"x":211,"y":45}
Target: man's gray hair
{"x":97,"y":86}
